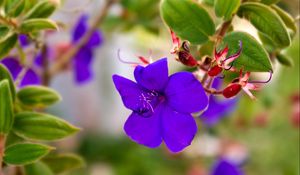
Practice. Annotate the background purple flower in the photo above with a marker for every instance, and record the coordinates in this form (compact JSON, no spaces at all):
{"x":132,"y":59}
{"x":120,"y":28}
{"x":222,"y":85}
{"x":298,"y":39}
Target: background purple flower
{"x":218,"y":107}
{"x":24,"y":40}
{"x":161,"y":105}
{"x":82,"y":62}
{"x":14,"y":66}
{"x":224,"y":167}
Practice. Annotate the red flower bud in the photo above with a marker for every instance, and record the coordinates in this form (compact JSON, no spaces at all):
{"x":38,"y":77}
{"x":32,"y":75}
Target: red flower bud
{"x":187,"y":59}
{"x":232,"y":90}
{"x":215,"y":70}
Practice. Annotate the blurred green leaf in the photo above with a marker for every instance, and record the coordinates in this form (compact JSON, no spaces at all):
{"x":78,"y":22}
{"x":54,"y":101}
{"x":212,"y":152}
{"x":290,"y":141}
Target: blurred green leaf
{"x":267,"y":42}
{"x":43,"y":9}
{"x":4,"y":74}
{"x":6,"y":107}
{"x":269,"y":2}
{"x":67,"y":162}
{"x":12,"y":139}
{"x":33,"y":25}
{"x":25,"y":153}
{"x":7,"y":44}
{"x":209,"y":2}
{"x":38,"y":96}
{"x":286,"y":18}
{"x":253,"y":57}
{"x":14,"y":8}
{"x":188,"y":19}
{"x":39,"y":126}
{"x":284,"y":60}
{"x":224,"y":8}
{"x":4,"y":32}
{"x":266,"y":21}
{"x":38,"y":168}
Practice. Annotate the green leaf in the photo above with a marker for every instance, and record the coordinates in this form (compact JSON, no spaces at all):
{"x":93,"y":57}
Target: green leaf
{"x":14,"y":8}
{"x":209,"y":2}
{"x":13,"y":139}
{"x":266,"y":21}
{"x":38,"y":96}
{"x":43,"y":9}
{"x":7,"y":45}
{"x":267,"y":42}
{"x":269,"y":2}
{"x":224,"y":8}
{"x":33,"y":25}
{"x":40,"y":126}
{"x":284,"y":60}
{"x":188,"y":19}
{"x":6,"y":108}
{"x":4,"y":32}
{"x":38,"y":168}
{"x":253,"y":57}
{"x":286,"y":18}
{"x":4,"y":74}
{"x":25,"y":153}
{"x":67,"y":162}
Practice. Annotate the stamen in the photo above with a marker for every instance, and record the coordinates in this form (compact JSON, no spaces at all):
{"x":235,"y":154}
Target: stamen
{"x":227,"y":69}
{"x":267,"y":81}
{"x":234,"y":56}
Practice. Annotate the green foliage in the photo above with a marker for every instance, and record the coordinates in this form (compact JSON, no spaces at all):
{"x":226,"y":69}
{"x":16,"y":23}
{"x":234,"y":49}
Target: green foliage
{"x":14,"y":8}
{"x":5,"y":75}
{"x":38,"y":96}
{"x":224,"y":8}
{"x":25,"y":153}
{"x":188,"y":20}
{"x":266,"y":21}
{"x":7,"y":44}
{"x":39,"y":126}
{"x":284,"y":60}
{"x":43,"y":9}
{"x":269,"y":2}
{"x":67,"y":162}
{"x":253,"y":57}
{"x":33,"y":25}
{"x":286,"y":18}
{"x":6,"y":107}
{"x":38,"y":168}
{"x":4,"y":31}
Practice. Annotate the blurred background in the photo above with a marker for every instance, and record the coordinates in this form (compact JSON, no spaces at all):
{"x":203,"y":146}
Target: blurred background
{"x":261,"y":135}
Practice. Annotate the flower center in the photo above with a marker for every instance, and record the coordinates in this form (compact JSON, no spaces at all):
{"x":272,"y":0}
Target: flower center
{"x":148,"y":102}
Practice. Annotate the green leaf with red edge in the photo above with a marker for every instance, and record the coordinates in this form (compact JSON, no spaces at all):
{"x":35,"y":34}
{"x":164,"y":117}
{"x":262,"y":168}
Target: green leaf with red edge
{"x":188,"y":19}
{"x":267,"y":21}
{"x":253,"y":57}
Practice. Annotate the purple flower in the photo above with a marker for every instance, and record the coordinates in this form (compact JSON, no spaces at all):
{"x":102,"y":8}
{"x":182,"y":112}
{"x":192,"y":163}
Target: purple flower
{"x":224,"y":167}
{"x":161,"y":105}
{"x":82,"y":62}
{"x":14,"y":66}
{"x":24,"y":40}
{"x":217,"y":107}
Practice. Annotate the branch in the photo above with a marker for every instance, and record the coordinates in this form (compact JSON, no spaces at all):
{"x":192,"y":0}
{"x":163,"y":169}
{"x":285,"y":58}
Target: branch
{"x":65,"y":58}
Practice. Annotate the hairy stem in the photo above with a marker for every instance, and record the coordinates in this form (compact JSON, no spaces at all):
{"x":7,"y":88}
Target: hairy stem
{"x":65,"y":58}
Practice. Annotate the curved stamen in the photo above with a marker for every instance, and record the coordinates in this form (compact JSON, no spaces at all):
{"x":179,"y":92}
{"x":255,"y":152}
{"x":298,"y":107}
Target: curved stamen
{"x":229,"y":67}
{"x":267,"y":81}
{"x":123,"y":61}
{"x":234,"y":56}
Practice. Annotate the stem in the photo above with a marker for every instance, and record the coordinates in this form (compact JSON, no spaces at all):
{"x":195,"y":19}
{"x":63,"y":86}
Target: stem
{"x":45,"y":65}
{"x":65,"y":58}
{"x":2,"y":148}
{"x":212,"y":91}
{"x":8,"y":22}
{"x":224,"y":28}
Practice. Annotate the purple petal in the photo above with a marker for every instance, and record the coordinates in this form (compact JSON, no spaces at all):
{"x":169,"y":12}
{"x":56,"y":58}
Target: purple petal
{"x":95,"y":40}
{"x":179,"y":129}
{"x":154,"y":76}
{"x":23,"y":39}
{"x":12,"y":65}
{"x":83,"y":66}
{"x":217,"y":109}
{"x":30,"y":78}
{"x":217,"y":83}
{"x":223,"y":167}
{"x":130,"y":92}
{"x":145,"y":131}
{"x":80,"y":28}
{"x":185,"y":93}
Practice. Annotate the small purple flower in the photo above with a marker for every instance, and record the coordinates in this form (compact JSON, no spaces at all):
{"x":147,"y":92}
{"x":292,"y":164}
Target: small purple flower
{"x":14,"y":66}
{"x":161,"y":105}
{"x":224,"y":167}
{"x":82,"y":62}
{"x":217,"y":108}
{"x":24,"y":40}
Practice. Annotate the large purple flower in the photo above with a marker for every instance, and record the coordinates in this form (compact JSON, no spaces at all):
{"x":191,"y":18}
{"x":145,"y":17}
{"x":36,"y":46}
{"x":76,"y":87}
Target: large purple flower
{"x":82,"y":62}
{"x":161,"y":105}
{"x":14,"y":66}
{"x":224,"y":167}
{"x":217,"y":108}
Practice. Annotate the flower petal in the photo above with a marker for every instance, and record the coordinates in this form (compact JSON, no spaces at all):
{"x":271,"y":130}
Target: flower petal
{"x":30,"y":78}
{"x":83,"y":66}
{"x":185,"y":93}
{"x":95,"y":40}
{"x":145,"y":130}
{"x":154,"y":76}
{"x":80,"y":28}
{"x":130,"y":92}
{"x":178,"y":129}
{"x":217,"y":109}
{"x":224,"y":167}
{"x":12,"y":65}
{"x":24,"y":40}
